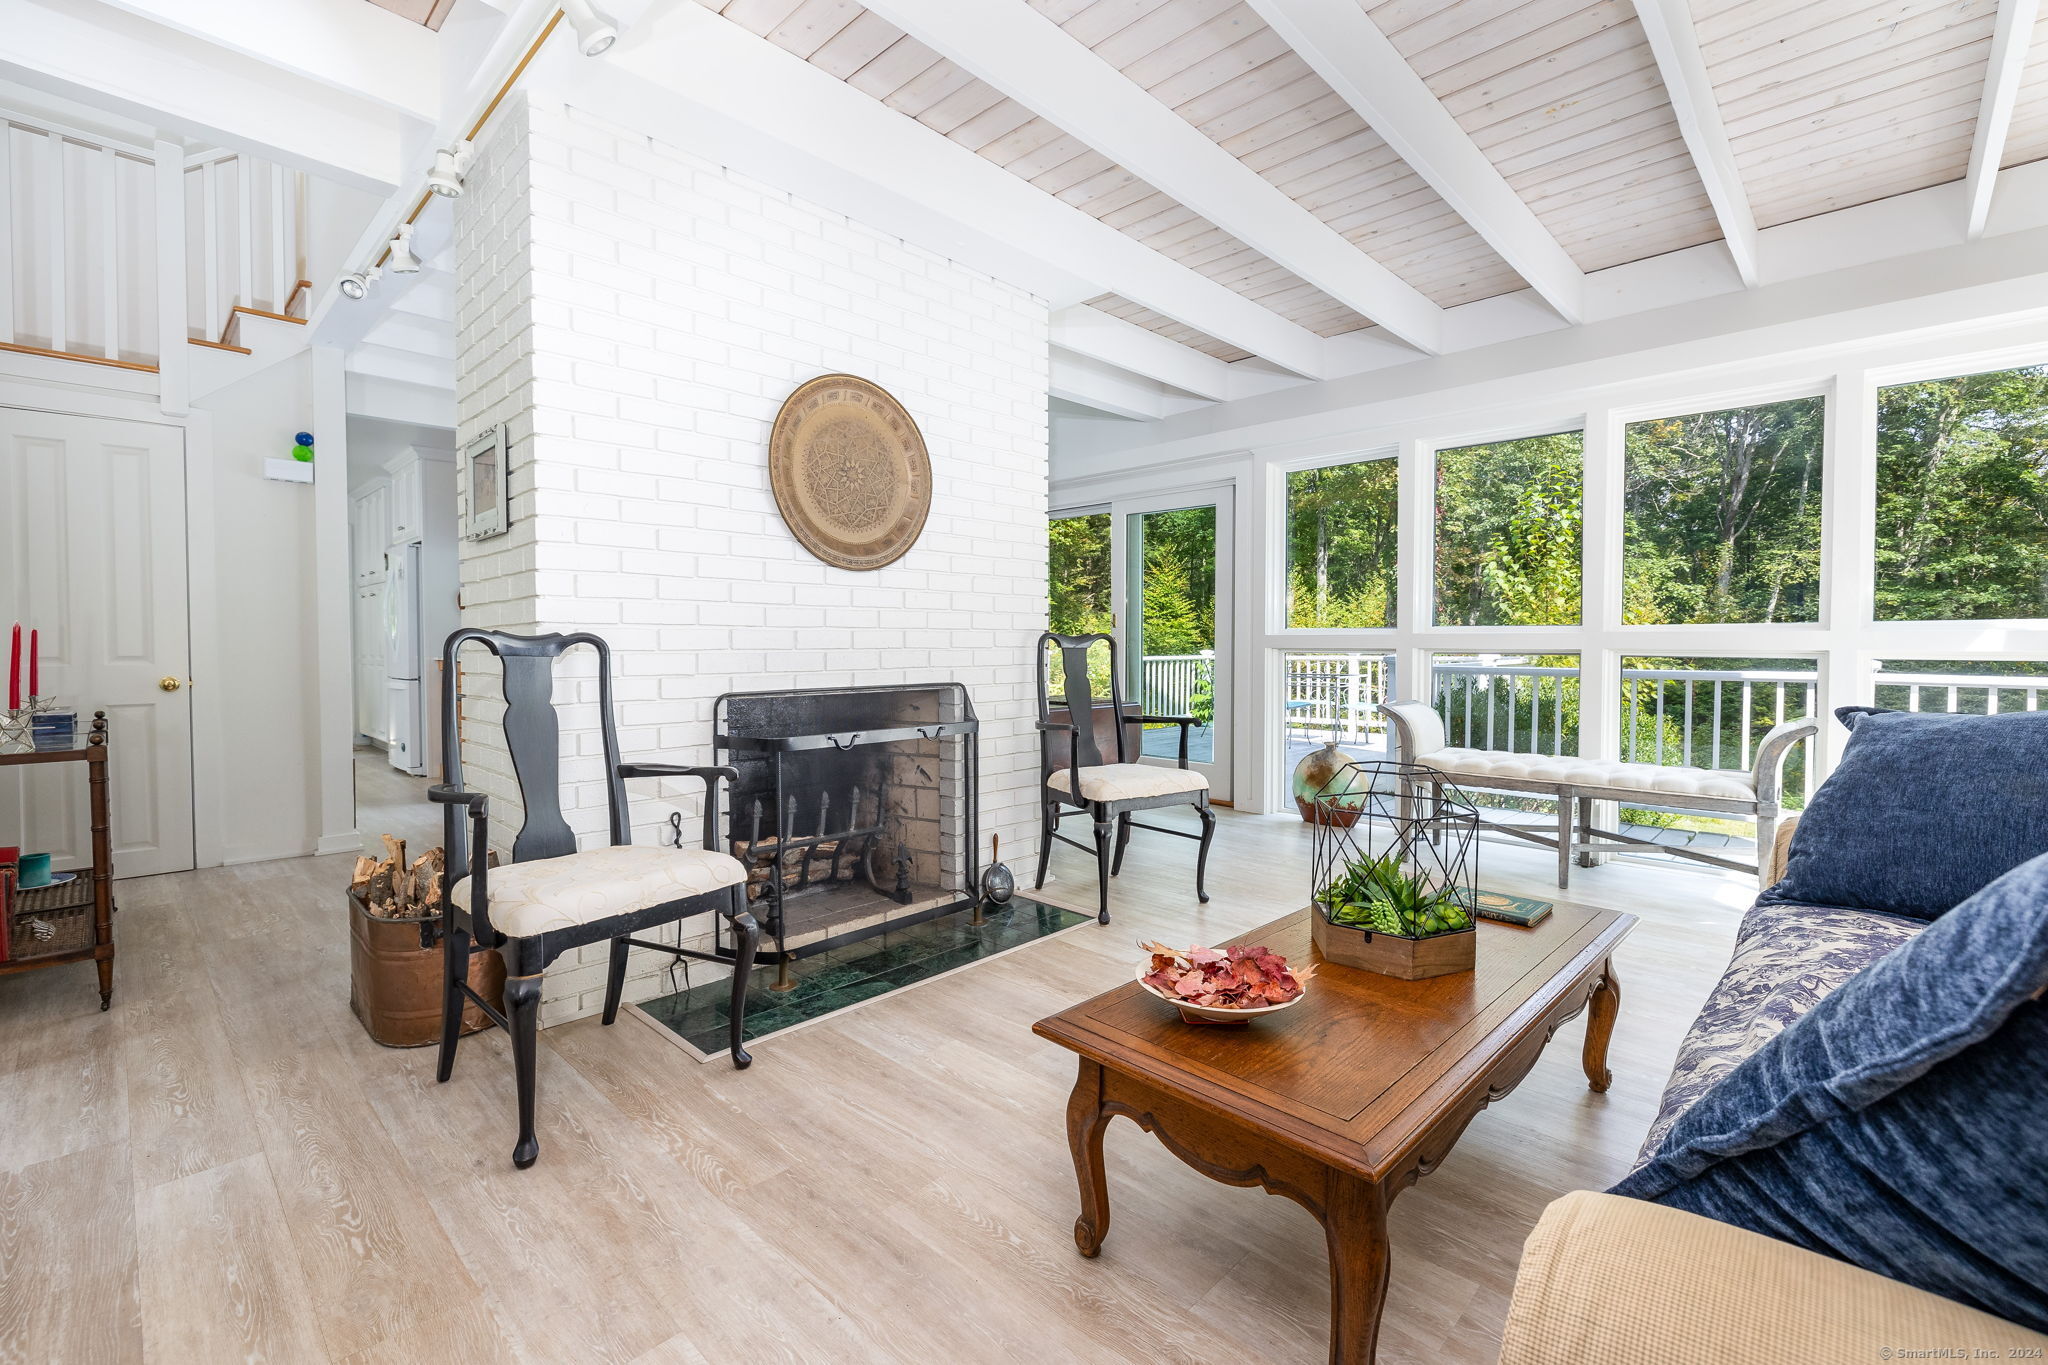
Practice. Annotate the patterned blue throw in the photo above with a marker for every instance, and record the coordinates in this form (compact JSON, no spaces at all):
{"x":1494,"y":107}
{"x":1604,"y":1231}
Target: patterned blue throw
{"x":1901,"y":1123}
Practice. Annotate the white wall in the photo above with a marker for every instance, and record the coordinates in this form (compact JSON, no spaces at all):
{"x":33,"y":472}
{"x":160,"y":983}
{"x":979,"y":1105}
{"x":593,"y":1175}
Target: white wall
{"x":263,"y":608}
{"x":637,"y":315}
{"x":1842,"y":336}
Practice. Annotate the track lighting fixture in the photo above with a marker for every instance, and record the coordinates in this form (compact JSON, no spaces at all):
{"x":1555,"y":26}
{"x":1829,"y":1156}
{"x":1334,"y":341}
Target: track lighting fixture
{"x":594,"y":32}
{"x":449,"y":164}
{"x":357,"y":285}
{"x":402,"y":261}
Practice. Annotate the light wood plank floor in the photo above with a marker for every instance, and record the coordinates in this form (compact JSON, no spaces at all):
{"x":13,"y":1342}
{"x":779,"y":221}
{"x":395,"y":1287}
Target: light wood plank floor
{"x":224,"y":1166}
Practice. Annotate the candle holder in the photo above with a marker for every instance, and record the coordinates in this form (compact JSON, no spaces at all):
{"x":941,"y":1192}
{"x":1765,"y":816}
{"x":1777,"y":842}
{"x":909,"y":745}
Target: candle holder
{"x":18,"y":726}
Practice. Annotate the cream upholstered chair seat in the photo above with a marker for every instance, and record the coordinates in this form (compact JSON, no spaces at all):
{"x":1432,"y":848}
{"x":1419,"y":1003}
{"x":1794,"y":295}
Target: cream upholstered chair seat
{"x":1129,"y":781}
{"x":1649,"y":778}
{"x":579,"y":888}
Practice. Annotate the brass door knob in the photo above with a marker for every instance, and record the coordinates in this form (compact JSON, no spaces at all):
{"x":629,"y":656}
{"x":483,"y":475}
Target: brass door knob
{"x":169,"y":684}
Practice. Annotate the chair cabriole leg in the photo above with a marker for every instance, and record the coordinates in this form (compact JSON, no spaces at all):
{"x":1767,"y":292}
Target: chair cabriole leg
{"x":1046,"y":825}
{"x":615,"y":979}
{"x":454,"y":972}
{"x":1102,"y":831}
{"x":1123,"y":837}
{"x":1202,"y":852}
{"x":749,"y":935}
{"x":522,"y":1008}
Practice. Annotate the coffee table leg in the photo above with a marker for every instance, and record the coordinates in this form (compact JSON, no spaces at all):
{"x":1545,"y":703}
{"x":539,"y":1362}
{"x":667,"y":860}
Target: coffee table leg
{"x":1355,"y":1224}
{"x":1085,"y":1122}
{"x":1601,"y":1010}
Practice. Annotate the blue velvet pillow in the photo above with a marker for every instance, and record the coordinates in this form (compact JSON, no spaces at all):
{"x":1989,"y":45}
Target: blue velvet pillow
{"x":1923,"y":810}
{"x":1902,"y":1123}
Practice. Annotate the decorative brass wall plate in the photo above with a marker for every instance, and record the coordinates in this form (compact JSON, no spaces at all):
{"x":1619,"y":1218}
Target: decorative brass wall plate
{"x":850,"y":472}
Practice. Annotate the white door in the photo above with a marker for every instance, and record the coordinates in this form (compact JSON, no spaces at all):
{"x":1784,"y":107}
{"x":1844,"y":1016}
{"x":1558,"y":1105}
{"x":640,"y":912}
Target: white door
{"x":92,"y":554}
{"x":1172,"y":561}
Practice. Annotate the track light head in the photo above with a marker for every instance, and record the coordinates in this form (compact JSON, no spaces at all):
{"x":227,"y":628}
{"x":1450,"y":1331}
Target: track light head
{"x":595,"y":33}
{"x":402,"y":260}
{"x":357,"y":285}
{"x":449,"y":164}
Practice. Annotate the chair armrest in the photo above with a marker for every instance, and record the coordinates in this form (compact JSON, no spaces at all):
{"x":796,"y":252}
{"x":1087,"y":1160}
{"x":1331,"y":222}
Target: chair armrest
{"x":479,"y":805}
{"x":1046,"y":729}
{"x":1770,"y":755}
{"x":1184,"y":722}
{"x":1774,"y":857}
{"x":1054,"y":725}
{"x":1608,"y":1279}
{"x":710,"y":777}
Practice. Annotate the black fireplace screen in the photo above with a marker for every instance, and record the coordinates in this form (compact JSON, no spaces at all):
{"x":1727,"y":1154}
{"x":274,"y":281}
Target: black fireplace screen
{"x":855,"y":809}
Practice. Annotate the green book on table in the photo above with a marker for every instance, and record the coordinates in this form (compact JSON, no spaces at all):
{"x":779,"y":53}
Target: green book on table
{"x":1518,"y":910}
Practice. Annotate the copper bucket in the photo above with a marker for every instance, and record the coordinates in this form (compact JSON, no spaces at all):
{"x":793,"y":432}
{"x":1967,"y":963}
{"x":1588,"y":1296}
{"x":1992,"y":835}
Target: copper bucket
{"x":395,"y":984}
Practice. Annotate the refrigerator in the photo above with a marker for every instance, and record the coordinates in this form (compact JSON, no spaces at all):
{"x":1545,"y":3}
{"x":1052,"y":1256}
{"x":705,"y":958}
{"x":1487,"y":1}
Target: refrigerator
{"x":406,"y":745}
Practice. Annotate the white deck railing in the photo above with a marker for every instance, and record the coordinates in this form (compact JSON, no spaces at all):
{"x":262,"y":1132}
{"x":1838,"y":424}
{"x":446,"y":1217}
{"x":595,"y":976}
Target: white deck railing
{"x":1171,"y":681}
{"x":1336,"y":693}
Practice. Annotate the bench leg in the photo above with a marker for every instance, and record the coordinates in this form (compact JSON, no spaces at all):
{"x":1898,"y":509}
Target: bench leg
{"x":1564,"y":838}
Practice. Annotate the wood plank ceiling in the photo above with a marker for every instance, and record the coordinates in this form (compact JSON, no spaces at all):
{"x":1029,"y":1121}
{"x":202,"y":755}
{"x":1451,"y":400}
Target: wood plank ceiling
{"x":1826,"y":104}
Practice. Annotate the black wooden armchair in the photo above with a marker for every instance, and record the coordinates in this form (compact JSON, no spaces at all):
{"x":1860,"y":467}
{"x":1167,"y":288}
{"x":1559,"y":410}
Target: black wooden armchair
{"x":552,"y":897}
{"x":1109,"y":791}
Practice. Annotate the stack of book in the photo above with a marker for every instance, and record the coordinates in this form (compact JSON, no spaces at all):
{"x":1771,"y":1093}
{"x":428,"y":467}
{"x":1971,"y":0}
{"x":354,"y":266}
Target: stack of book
{"x":54,"y":729}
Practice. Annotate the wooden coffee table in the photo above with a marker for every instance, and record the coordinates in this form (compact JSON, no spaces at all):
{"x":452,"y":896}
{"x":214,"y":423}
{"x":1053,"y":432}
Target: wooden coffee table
{"x":1346,"y":1099}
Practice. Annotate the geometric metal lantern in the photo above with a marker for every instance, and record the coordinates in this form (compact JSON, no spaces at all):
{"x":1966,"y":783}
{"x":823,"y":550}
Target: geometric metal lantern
{"x":1395,"y":851}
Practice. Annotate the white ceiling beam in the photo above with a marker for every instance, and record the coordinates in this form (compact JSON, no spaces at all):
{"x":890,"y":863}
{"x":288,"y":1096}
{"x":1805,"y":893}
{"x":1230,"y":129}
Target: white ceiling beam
{"x":343,"y":44}
{"x":1032,"y":60}
{"x":1348,"y":50}
{"x":1099,"y":336}
{"x":112,"y":59}
{"x":1676,"y":45}
{"x":1105,"y":388}
{"x":2011,"y":39}
{"x":718,"y":90}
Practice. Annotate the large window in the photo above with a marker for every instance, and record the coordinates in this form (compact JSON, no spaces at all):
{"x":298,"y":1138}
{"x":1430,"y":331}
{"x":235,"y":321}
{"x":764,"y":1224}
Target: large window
{"x":1962,"y":497}
{"x":1723,"y":516}
{"x":1507,"y":532}
{"x":1341,"y":524}
{"x":1078,"y":590}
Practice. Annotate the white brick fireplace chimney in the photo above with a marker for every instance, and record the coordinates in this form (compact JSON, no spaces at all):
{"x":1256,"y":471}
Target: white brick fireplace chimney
{"x":635,"y":316}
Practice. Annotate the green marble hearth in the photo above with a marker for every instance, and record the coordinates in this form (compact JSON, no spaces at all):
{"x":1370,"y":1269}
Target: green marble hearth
{"x":855,"y":972}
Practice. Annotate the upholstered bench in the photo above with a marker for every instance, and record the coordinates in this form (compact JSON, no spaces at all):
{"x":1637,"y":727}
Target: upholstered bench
{"x":1419,"y":739}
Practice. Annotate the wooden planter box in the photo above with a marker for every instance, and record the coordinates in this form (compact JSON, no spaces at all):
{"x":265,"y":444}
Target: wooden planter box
{"x":1410,"y":959}
{"x":395,"y":984}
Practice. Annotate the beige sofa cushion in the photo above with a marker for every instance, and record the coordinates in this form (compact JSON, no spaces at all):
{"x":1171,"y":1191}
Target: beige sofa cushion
{"x":577,"y":888}
{"x":1612,"y":1281}
{"x":1130,"y":781}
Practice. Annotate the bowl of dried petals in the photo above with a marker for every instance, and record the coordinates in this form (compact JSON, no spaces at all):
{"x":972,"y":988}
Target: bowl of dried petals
{"x":1232,"y":985}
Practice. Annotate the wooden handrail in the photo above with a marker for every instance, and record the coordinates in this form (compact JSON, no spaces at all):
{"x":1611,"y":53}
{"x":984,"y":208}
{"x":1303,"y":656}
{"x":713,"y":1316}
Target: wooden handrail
{"x":75,"y":355}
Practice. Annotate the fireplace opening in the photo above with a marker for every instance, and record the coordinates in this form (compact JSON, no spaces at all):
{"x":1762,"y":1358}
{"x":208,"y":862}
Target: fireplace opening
{"x":855,"y":810}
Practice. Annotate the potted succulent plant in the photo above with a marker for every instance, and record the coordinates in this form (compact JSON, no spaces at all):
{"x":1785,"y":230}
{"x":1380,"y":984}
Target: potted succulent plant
{"x":1395,"y":864}
{"x":1382,"y":916}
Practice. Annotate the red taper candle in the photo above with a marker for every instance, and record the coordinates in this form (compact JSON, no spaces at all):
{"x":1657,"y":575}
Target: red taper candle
{"x":35,"y":657}
{"x":14,"y":671}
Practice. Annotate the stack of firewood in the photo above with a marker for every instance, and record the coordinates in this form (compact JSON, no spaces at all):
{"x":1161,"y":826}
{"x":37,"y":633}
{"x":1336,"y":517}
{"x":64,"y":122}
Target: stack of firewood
{"x":391,"y":888}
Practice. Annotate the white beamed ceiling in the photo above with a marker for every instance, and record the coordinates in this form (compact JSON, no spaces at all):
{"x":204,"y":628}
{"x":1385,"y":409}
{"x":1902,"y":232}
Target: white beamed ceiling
{"x":1822,"y":104}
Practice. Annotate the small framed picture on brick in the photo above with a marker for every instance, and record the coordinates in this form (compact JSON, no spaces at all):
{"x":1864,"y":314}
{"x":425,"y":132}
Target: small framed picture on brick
{"x":486,"y":509}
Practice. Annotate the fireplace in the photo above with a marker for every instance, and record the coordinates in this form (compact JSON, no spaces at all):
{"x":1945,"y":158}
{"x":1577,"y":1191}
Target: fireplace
{"x":855,"y":809}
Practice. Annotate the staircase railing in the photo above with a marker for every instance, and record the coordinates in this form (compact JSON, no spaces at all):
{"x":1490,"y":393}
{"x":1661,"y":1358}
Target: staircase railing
{"x":80,"y":239}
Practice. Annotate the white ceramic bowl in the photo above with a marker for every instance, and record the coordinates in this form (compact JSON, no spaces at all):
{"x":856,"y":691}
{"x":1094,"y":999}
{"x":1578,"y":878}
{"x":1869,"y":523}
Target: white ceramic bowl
{"x":1211,"y":1014}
